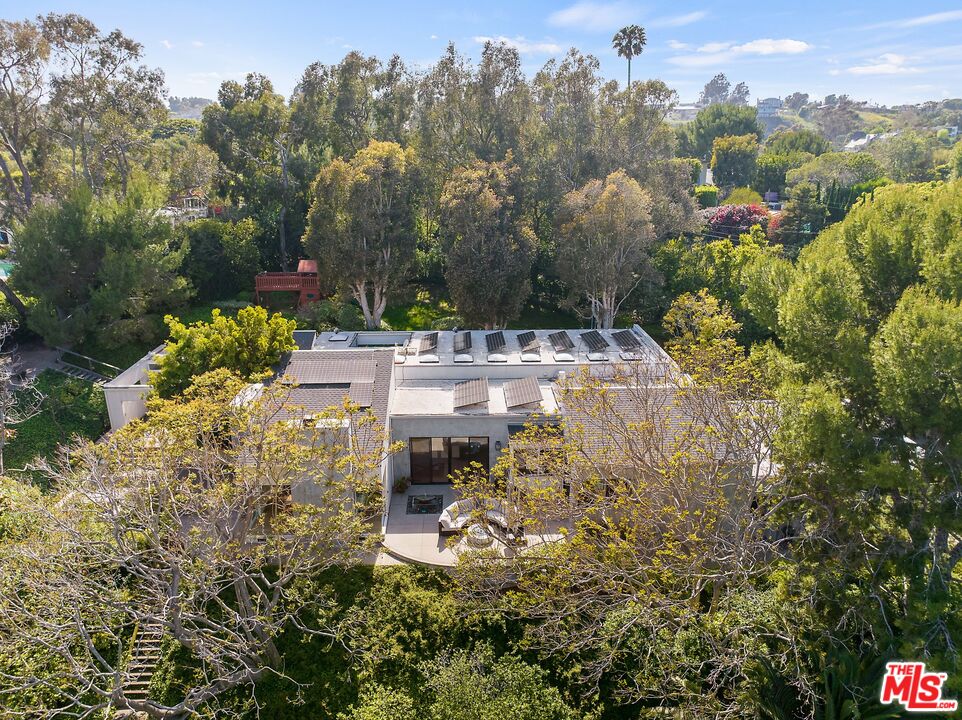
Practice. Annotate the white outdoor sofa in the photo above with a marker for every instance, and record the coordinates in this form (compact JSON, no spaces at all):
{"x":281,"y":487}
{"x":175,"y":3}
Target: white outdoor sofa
{"x":459,"y":515}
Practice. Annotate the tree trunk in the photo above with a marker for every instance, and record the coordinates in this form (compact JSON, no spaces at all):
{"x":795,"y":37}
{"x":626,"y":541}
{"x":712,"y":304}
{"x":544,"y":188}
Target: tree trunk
{"x":14,"y":300}
{"x":282,"y":238}
{"x":360,"y":294}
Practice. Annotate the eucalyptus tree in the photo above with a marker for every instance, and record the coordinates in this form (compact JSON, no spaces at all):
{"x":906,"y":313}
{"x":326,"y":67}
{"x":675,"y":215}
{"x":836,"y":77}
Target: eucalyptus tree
{"x":250,"y":130}
{"x":361,"y":225}
{"x":24,"y":53}
{"x":489,"y":246}
{"x":629,"y":42}
{"x":604,"y":242}
{"x":102,"y":103}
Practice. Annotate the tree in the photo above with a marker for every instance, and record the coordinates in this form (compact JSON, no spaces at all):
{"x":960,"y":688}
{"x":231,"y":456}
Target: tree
{"x":906,"y":157}
{"x":785,"y":142}
{"x":23,"y":59}
{"x":604,"y":243}
{"x":247,"y":346}
{"x":629,"y":42}
{"x":733,"y":159}
{"x":796,"y":101}
{"x":837,"y":121}
{"x":99,"y":266}
{"x":717,"y":121}
{"x":472,"y":684}
{"x":718,"y":90}
{"x":249,"y":128}
{"x":20,"y":399}
{"x":771,"y":169}
{"x":846,"y":169}
{"x":221,"y":257}
{"x":870,"y":403}
{"x":488,"y":245}
{"x":343,"y":107}
{"x":183,"y":524}
{"x":804,"y":216}
{"x":100,"y":102}
{"x":472,"y":113}
{"x":632,"y":516}
{"x":361,"y":224}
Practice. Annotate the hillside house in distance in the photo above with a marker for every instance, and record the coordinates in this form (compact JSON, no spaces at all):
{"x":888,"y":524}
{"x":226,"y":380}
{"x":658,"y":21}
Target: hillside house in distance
{"x":768,"y":107}
{"x":189,"y":206}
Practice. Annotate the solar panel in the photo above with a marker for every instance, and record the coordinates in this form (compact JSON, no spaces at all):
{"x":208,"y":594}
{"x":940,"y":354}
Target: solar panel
{"x":522,"y":392}
{"x":362,"y":394}
{"x":429,"y":342}
{"x":626,"y":339}
{"x":470,"y":392}
{"x":529,"y":342}
{"x":561,"y":341}
{"x":495,"y":341}
{"x":595,"y":342}
{"x":462,"y":341}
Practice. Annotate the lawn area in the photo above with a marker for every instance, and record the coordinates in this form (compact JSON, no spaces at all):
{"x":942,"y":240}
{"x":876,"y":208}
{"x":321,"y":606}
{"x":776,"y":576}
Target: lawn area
{"x":430,"y":308}
{"x":71,"y":407}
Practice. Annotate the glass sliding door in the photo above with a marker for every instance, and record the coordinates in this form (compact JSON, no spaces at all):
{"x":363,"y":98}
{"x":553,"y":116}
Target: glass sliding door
{"x":440,"y":460}
{"x":467,"y":450}
{"x":434,"y":459}
{"x":420,"y":460}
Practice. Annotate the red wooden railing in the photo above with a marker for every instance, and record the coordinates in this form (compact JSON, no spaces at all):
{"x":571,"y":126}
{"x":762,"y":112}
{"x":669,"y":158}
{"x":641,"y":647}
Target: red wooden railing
{"x":280,"y":281}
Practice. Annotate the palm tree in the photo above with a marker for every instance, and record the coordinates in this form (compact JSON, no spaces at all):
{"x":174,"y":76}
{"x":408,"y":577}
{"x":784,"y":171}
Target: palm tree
{"x":629,"y":42}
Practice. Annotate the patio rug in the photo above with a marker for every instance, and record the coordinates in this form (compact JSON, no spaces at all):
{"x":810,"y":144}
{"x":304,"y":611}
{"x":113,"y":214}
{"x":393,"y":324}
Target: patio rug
{"x":425,"y":504}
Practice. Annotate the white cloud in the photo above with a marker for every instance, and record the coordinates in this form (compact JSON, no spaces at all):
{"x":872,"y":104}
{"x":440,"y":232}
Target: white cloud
{"x":595,"y":16}
{"x":767,"y":46}
{"x":714,"y":47}
{"x":886,"y":64}
{"x":921,"y":20}
{"x":676,"y":45}
{"x":679,"y":20}
{"x":522,"y":45}
{"x":718,"y":52}
{"x":197,"y":44}
{"x":434,"y":37}
{"x":167,"y":44}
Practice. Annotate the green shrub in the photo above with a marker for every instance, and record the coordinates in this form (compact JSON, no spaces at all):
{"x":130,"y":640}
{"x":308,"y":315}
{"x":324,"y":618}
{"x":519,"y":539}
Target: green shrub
{"x":743,"y":196}
{"x":706,"y":196}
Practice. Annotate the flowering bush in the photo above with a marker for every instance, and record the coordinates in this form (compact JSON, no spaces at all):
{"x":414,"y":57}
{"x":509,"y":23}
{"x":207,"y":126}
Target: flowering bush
{"x":774,"y":223}
{"x":733,"y":220}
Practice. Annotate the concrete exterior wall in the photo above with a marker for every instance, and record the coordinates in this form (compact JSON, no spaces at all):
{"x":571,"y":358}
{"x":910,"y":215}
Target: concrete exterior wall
{"x":125,"y":404}
{"x":125,"y":394}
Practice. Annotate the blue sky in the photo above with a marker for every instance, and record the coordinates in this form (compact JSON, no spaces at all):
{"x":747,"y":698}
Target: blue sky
{"x":887,"y":52}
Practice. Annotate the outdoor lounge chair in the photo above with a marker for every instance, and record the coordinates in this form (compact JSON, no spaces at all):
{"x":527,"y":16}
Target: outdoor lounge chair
{"x":459,"y":515}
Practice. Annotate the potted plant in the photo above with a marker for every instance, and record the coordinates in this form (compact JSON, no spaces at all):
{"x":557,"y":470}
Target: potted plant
{"x":401,"y":484}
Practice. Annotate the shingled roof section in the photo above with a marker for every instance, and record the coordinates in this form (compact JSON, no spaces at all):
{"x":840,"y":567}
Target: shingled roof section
{"x":324,"y":379}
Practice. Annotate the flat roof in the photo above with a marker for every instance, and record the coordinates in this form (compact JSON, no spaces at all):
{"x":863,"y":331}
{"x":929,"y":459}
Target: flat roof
{"x":519,"y":348}
{"x":418,"y":398}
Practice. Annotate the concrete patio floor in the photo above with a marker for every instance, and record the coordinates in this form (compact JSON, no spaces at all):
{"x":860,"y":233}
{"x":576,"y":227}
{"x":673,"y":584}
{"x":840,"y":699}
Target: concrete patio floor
{"x":415,"y":538}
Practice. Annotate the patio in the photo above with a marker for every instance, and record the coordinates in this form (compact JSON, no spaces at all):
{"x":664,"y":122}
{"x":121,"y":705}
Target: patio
{"x":413,"y":536}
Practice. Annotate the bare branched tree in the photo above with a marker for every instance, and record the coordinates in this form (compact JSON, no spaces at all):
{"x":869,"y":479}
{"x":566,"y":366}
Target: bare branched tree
{"x":649,"y":510}
{"x":20,"y":399}
{"x":184,"y":525}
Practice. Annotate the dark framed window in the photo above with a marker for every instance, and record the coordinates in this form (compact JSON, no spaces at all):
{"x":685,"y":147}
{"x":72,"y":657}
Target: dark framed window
{"x":434,"y":459}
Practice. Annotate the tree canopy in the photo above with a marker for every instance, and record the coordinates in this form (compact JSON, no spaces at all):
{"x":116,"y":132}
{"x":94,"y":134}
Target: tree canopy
{"x":247,"y":346}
